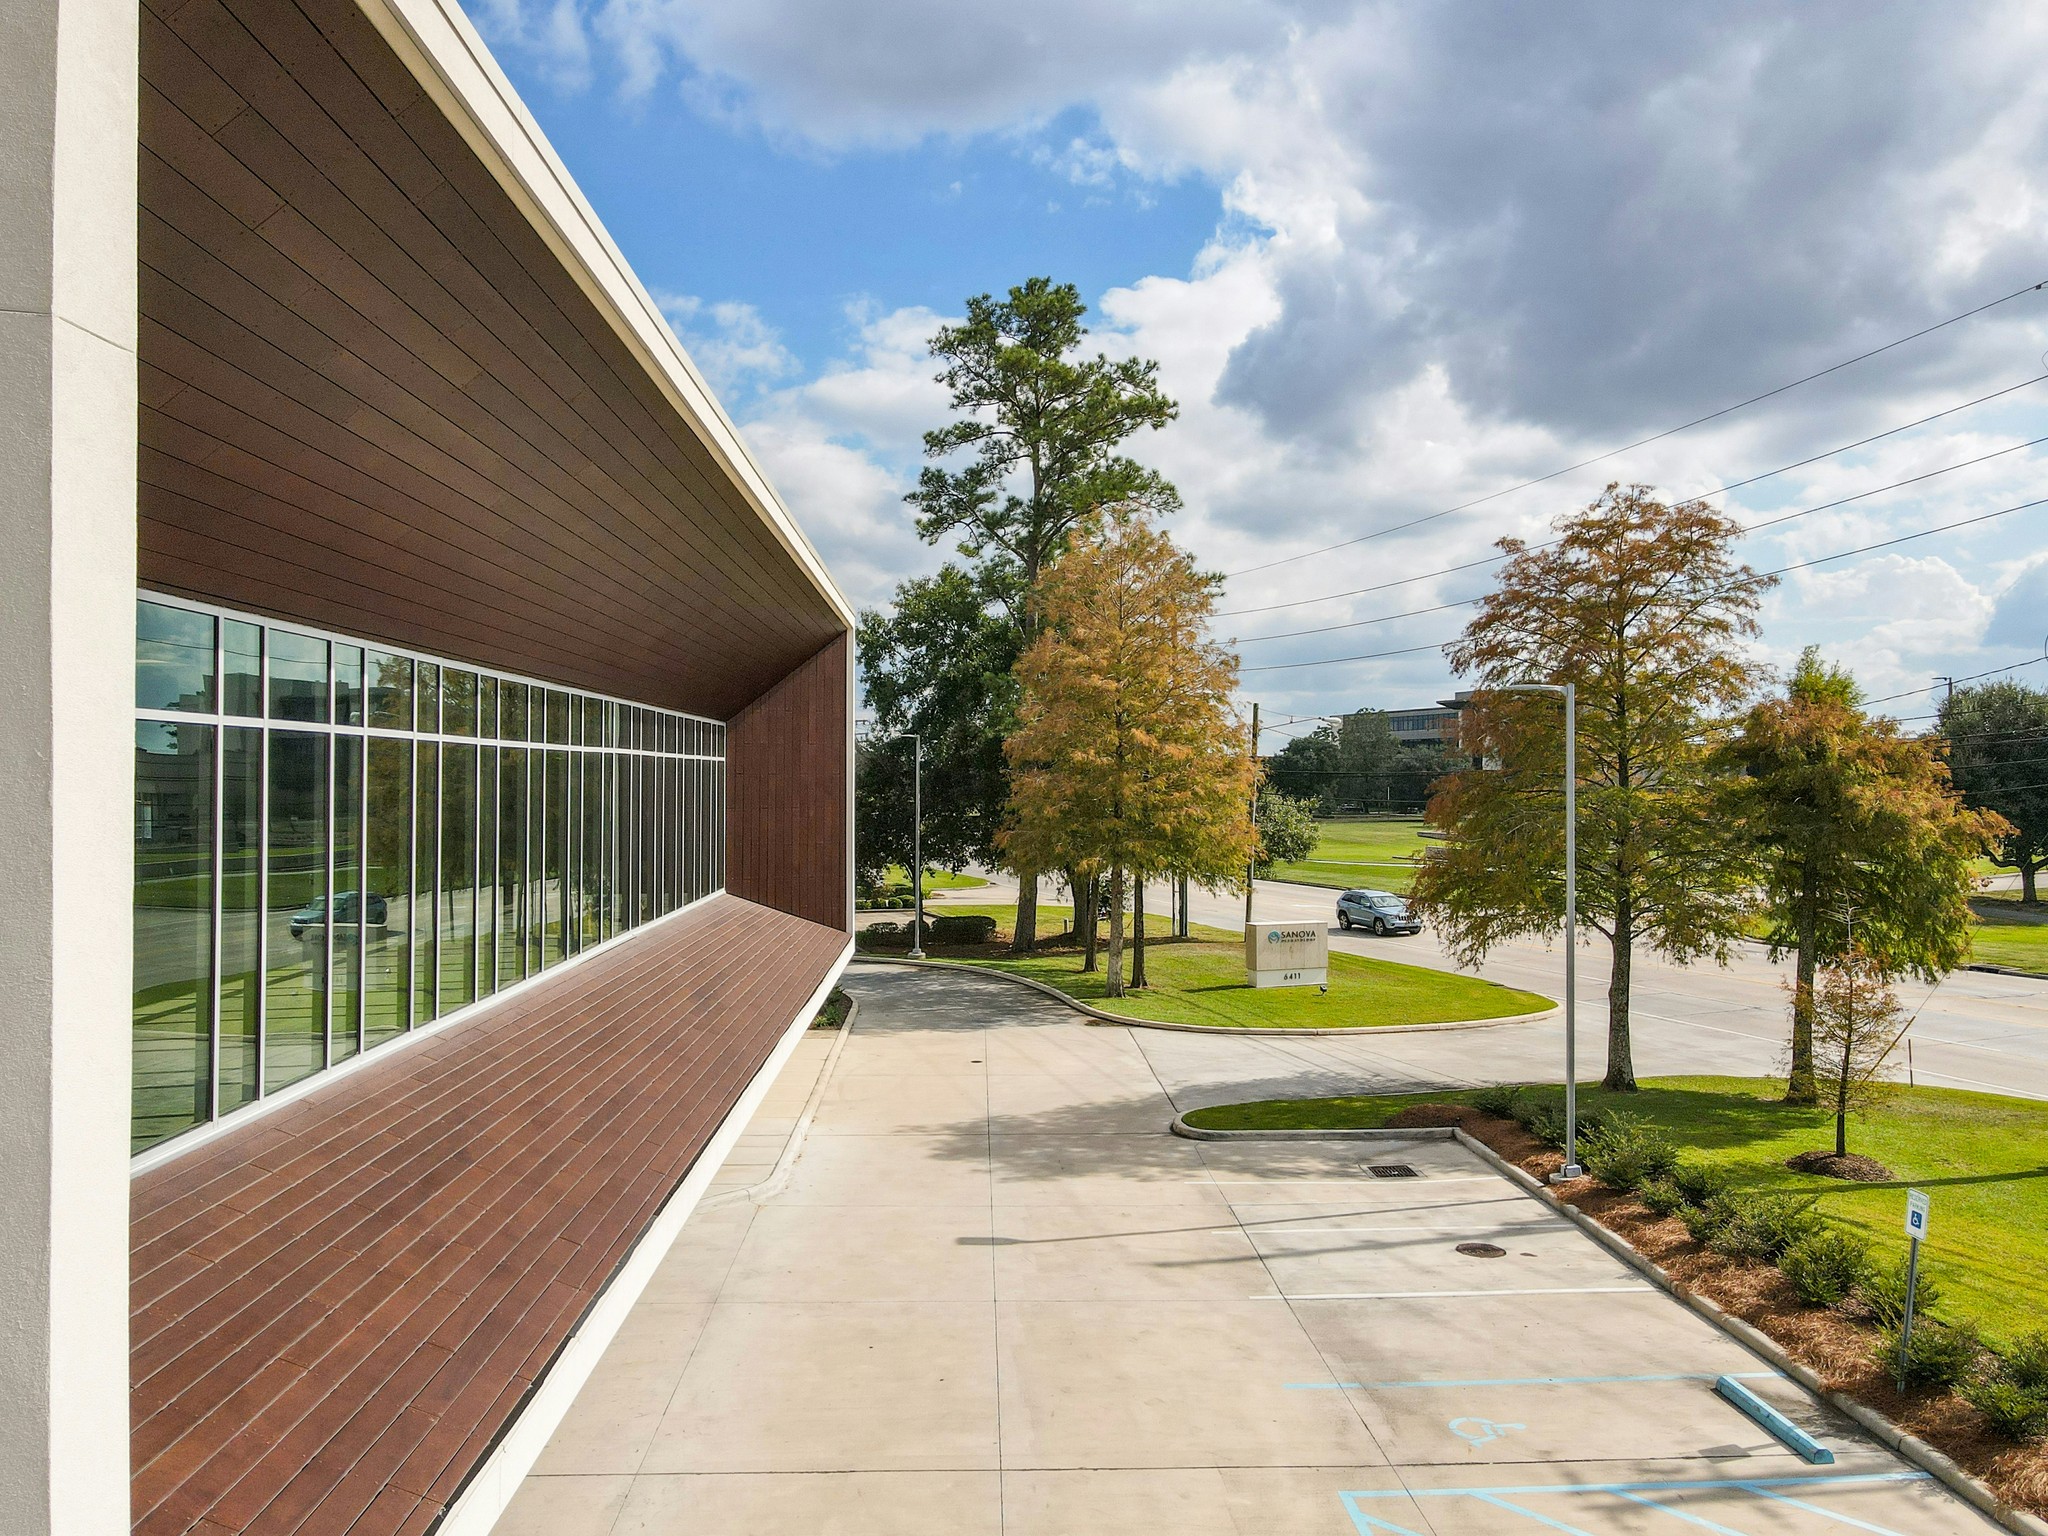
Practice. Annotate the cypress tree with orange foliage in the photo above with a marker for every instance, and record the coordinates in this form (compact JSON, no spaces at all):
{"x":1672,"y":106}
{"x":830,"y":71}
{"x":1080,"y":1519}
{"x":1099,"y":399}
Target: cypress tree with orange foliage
{"x":1128,"y":757}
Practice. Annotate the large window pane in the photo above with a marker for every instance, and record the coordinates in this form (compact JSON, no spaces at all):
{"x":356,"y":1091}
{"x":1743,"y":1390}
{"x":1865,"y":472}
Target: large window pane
{"x":535,"y":912}
{"x":241,"y":658}
{"x":427,"y":696}
{"x":173,"y":659}
{"x":425,"y":871}
{"x":572,"y":851}
{"x":487,"y":868}
{"x":388,"y":938}
{"x":557,"y":851}
{"x":295,"y":979}
{"x":648,"y":896}
{"x":350,"y":901}
{"x":511,"y":865}
{"x":298,"y":676}
{"x":348,"y":685}
{"x":241,"y":917}
{"x":391,"y":691}
{"x":591,"y":766}
{"x":458,"y":875}
{"x":458,"y":703}
{"x":512,"y":711}
{"x":173,"y":1004}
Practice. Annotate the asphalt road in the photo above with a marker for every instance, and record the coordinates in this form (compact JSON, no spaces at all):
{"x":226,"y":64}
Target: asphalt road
{"x":1974,"y":1030}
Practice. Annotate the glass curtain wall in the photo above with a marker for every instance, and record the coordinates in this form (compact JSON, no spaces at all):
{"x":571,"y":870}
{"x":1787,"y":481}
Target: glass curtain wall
{"x":335,"y":845}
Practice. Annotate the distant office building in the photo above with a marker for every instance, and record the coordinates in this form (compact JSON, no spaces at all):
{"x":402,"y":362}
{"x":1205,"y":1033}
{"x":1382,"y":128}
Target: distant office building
{"x":427,"y":818}
{"x":1432,"y":727}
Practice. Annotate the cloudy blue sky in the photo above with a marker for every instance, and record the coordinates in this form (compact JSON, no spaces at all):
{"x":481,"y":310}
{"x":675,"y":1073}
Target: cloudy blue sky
{"x":1392,"y":258}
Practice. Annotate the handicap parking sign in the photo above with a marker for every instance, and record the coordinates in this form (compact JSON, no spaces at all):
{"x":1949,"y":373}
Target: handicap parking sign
{"x":1916,"y":1213}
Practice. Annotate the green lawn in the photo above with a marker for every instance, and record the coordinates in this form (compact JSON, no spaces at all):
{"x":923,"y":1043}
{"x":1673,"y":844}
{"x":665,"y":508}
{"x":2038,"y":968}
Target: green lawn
{"x":896,"y":882}
{"x":1983,"y":1158}
{"x":1200,"y":980}
{"x":1380,"y":854}
{"x":2009,"y":934}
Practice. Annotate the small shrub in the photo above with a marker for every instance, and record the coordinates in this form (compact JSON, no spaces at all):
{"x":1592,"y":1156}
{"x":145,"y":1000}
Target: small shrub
{"x":1942,"y":1354}
{"x":2013,"y":1391}
{"x":1526,"y":1108}
{"x":2026,"y":1362}
{"x":1825,"y":1267}
{"x":1883,"y":1291}
{"x":1707,"y":1222}
{"x":1700,"y":1183}
{"x":1661,"y":1196}
{"x":961,"y":928}
{"x":1626,"y":1150}
{"x":2016,"y":1412}
{"x":1546,"y":1125}
{"x":1764,"y":1227}
{"x":1498,"y":1100}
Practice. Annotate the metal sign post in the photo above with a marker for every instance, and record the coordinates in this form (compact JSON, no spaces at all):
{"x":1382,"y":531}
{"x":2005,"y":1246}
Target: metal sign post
{"x":1916,"y":1229}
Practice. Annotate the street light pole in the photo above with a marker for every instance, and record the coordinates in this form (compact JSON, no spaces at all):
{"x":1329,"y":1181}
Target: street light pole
{"x":917,"y":843}
{"x":916,"y":832}
{"x":1570,"y":694}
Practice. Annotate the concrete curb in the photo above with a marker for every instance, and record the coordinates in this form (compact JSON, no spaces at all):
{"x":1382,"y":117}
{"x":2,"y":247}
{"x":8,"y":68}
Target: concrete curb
{"x":2008,"y":970}
{"x":792,"y":1148}
{"x":1356,"y":1031}
{"x":1758,"y":1343}
{"x":1180,"y":1127}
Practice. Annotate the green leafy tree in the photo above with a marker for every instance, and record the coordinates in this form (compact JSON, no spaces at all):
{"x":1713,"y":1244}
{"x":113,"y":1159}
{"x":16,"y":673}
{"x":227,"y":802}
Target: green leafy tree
{"x":939,"y":663}
{"x":1849,"y":823}
{"x":1997,"y":735}
{"x":1287,"y":829}
{"x":1310,"y":768}
{"x":1642,"y":606}
{"x":1356,"y":761}
{"x":1030,"y":451}
{"x":1857,"y":1023}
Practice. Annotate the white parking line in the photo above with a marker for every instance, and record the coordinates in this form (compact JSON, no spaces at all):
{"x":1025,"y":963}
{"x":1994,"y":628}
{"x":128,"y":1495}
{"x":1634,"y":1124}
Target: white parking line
{"x":1551,"y":1290}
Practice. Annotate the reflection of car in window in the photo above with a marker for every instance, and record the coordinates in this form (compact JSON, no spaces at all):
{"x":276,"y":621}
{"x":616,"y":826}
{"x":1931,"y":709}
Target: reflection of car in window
{"x":314,"y":913}
{"x":1380,"y":911}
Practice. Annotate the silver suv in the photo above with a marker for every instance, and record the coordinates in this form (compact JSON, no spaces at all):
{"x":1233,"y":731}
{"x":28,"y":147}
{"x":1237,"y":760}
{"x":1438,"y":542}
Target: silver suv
{"x":1381,"y":911}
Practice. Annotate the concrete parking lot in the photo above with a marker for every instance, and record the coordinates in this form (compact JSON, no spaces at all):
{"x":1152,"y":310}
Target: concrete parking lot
{"x":995,"y":1295}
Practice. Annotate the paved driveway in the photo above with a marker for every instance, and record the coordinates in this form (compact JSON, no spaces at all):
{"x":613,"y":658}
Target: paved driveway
{"x":996,"y":1296}
{"x":1976,"y":1030}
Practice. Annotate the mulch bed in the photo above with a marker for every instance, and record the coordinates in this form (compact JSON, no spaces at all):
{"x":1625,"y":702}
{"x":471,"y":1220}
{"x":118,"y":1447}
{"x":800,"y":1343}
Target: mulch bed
{"x":1849,"y":1165}
{"x":1841,"y":1350}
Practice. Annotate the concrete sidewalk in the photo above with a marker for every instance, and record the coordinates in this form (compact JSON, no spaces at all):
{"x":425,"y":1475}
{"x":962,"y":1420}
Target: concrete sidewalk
{"x":996,"y":1296}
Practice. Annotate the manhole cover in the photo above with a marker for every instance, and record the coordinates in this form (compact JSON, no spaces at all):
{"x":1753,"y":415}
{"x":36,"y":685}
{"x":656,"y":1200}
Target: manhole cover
{"x":1482,"y":1251}
{"x":1391,"y":1171}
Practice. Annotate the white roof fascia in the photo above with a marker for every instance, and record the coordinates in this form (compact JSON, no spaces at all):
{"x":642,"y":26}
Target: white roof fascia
{"x":445,"y":53}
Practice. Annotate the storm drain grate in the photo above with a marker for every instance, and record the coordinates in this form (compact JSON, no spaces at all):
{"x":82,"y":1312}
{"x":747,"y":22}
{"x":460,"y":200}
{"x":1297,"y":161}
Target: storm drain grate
{"x":1391,"y":1171}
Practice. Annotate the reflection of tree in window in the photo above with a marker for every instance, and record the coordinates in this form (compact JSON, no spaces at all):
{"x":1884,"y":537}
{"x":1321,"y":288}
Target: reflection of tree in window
{"x":295,"y":984}
{"x":173,"y":917}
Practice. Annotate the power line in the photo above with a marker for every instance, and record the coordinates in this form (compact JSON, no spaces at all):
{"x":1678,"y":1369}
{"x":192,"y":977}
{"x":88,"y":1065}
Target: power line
{"x":1914,"y":693}
{"x":1772,"y":522}
{"x":1798,"y":565}
{"x":1654,"y":437}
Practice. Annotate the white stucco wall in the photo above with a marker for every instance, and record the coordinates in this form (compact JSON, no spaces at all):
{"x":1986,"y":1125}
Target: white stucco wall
{"x":68,"y":98}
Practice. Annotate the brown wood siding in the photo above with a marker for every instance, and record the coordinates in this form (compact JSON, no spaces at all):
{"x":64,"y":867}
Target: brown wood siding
{"x":788,"y":800}
{"x":339,"y":1305}
{"x":374,"y":401}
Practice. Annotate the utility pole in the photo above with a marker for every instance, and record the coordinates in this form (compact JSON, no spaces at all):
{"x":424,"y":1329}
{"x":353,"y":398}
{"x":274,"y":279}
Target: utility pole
{"x":1951,"y":686}
{"x":1251,"y":869}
